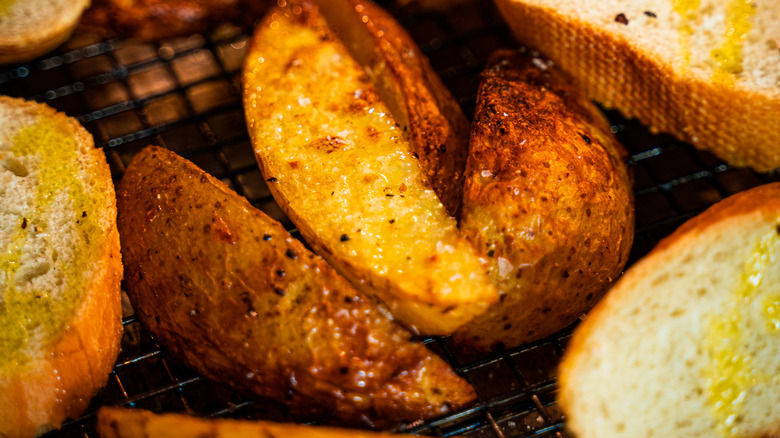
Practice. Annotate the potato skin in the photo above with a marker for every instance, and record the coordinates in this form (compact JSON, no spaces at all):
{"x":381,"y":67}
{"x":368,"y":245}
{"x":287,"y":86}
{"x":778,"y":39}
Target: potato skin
{"x":139,"y":423}
{"x":160,"y":19}
{"x":547,"y":199}
{"x":229,"y":292}
{"x":341,"y":169}
{"x":421,"y":104}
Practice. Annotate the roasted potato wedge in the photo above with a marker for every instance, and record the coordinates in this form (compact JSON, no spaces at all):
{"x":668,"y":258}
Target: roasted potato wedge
{"x":430,"y":117}
{"x":138,"y":423}
{"x":547,"y":199}
{"x":229,"y":292}
{"x":342,"y":170}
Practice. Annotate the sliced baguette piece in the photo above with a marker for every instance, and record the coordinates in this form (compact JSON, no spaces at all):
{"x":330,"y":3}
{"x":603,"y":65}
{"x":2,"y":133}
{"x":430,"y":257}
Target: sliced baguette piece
{"x":231,"y":293}
{"x":60,"y":269}
{"x":547,"y":200}
{"x":431,"y":119}
{"x":139,"y":423}
{"x":688,"y":341}
{"x":31,"y":28}
{"x":340,"y":167}
{"x":706,"y":71}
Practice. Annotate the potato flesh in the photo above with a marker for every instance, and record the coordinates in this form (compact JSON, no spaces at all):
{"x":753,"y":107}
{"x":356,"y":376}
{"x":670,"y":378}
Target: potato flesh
{"x":342,"y":170}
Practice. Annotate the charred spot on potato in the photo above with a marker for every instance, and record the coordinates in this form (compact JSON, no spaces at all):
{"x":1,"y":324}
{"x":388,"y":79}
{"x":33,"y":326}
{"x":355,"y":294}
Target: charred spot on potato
{"x":291,"y":254}
{"x":271,"y":179}
{"x":650,"y":14}
{"x":589,"y":297}
{"x":546,"y":309}
{"x":392,"y":221}
{"x":344,"y":370}
{"x":344,"y":238}
{"x":447,"y":310}
{"x":585,"y":138}
{"x":279,"y":291}
{"x":266,"y":237}
{"x":565,"y":274}
{"x":621,"y":18}
{"x":491,"y":253}
{"x":507,"y":326}
{"x":347,"y":300}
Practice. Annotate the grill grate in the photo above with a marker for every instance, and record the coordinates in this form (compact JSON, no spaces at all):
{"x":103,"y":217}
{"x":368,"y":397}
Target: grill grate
{"x":185,"y":94}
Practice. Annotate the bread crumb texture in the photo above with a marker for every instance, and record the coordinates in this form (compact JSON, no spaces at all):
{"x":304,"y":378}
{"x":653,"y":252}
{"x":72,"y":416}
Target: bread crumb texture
{"x":688,"y":341}
{"x":49,"y":228}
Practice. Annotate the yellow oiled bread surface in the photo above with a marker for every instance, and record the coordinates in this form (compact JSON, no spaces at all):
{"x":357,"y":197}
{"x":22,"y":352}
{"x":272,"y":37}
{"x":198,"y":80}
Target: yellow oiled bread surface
{"x":30,"y":28}
{"x":227,"y":290}
{"x":706,"y":71}
{"x":688,"y":341}
{"x":547,"y":201}
{"x":342,"y":170}
{"x":137,"y":423}
{"x":60,"y":269}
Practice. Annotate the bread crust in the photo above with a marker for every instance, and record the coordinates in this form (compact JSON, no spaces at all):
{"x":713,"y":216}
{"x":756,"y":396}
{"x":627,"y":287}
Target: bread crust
{"x":60,"y":380}
{"x":739,"y":125}
{"x":38,"y":37}
{"x":227,"y":290}
{"x":547,"y":201}
{"x":759,"y":206}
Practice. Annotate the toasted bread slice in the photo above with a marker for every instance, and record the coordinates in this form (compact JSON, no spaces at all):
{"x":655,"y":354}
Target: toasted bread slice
{"x":138,"y":423}
{"x":688,"y":341}
{"x":548,"y":201}
{"x":31,"y":28}
{"x":60,"y":269}
{"x":227,"y":290}
{"x":340,"y":167}
{"x":706,"y":71}
{"x":424,"y":108}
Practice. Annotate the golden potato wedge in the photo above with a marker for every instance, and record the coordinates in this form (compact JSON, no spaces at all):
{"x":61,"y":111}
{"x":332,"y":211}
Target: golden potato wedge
{"x":229,"y":292}
{"x":434,"y":124}
{"x":341,"y":169}
{"x":547,"y":198}
{"x":139,"y":423}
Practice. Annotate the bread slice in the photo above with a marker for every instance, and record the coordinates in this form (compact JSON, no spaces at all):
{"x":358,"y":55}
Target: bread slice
{"x":139,"y":423}
{"x":31,"y":28}
{"x":707,"y":71}
{"x":60,"y":268}
{"x":547,"y":200}
{"x":688,"y":341}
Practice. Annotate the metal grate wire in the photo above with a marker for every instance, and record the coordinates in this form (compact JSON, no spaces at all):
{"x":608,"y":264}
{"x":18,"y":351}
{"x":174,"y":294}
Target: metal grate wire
{"x":184,"y":94}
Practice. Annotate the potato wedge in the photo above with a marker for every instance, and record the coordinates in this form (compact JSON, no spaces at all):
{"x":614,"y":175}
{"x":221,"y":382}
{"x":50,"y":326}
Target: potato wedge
{"x":547,"y":198}
{"x":229,"y":292}
{"x":434,"y":124}
{"x":341,"y":169}
{"x":139,"y":423}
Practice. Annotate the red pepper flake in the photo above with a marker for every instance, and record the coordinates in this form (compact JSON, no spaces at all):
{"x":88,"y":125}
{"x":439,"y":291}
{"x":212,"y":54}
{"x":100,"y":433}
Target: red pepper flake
{"x":621,"y":18}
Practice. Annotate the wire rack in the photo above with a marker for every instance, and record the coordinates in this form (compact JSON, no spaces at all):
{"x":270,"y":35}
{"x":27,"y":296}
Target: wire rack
{"x":185,"y":94}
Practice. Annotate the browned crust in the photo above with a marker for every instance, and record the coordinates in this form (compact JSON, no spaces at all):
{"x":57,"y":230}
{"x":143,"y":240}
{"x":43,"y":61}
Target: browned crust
{"x":40,"y":40}
{"x":762,"y":200}
{"x":203,"y":271}
{"x":739,"y":125}
{"x":546,"y":189}
{"x":161,"y":19}
{"x":420,"y":103}
{"x":60,"y":382}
